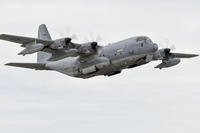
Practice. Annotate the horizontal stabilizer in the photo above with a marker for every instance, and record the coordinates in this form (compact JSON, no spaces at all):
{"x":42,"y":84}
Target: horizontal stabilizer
{"x":35,"y":66}
{"x":182,"y":55}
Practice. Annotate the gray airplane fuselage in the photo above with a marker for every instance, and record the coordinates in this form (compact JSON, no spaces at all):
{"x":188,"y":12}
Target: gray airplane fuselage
{"x":109,"y":60}
{"x":85,"y":60}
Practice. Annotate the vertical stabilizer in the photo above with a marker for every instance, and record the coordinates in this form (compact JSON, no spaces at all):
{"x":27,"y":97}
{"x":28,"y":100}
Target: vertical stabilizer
{"x":43,"y":33}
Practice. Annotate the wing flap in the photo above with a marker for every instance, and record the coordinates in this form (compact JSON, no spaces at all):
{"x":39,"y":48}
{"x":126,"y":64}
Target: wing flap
{"x":183,"y":55}
{"x":35,"y":66}
{"x":23,"y":40}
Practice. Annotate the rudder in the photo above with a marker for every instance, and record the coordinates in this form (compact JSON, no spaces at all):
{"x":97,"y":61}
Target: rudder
{"x":43,"y":33}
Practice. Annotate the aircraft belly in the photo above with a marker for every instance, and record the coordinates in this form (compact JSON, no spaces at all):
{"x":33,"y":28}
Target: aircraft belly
{"x":127,"y":61}
{"x":116,"y":65}
{"x":89,"y":68}
{"x":99,"y":66}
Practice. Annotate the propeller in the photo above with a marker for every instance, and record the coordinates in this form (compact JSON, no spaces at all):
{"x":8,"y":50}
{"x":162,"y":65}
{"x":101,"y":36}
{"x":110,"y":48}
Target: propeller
{"x":94,"y":45}
{"x":68,"y":36}
{"x":94,"y":40}
{"x":67,"y":33}
{"x":167,"y":52}
{"x":166,"y":48}
{"x":167,"y":45}
{"x":90,"y":47}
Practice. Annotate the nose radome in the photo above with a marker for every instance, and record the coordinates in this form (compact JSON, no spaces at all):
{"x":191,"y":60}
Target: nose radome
{"x":155,"y":46}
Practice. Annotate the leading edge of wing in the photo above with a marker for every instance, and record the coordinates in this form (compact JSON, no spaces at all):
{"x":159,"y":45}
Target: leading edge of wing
{"x":183,"y":55}
{"x":23,"y":40}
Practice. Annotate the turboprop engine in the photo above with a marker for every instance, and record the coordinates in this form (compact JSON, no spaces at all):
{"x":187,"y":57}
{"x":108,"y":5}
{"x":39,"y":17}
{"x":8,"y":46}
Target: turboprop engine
{"x":88,"y":48}
{"x":60,"y":43}
{"x":30,"y":49}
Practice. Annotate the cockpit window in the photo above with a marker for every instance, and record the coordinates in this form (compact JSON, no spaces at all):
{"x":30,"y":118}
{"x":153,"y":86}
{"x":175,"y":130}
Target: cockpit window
{"x":139,"y":39}
{"x":149,"y":40}
{"x":144,"y":39}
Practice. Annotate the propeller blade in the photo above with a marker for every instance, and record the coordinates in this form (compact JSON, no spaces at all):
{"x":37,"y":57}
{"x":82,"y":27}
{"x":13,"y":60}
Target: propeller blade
{"x":173,"y":47}
{"x":94,"y":38}
{"x":98,"y":38}
{"x":167,"y":45}
{"x":67,"y":34}
{"x":73,"y":36}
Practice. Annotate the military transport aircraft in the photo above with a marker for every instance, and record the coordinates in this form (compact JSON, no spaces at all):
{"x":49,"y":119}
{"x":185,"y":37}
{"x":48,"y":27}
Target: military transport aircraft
{"x":89,"y":59}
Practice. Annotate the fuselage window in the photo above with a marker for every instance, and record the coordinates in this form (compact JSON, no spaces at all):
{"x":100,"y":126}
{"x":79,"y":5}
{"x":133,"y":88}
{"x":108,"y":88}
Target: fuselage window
{"x":131,"y":52}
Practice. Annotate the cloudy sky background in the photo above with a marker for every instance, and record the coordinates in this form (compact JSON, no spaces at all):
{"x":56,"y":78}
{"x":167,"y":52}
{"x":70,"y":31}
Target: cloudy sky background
{"x":138,"y":100}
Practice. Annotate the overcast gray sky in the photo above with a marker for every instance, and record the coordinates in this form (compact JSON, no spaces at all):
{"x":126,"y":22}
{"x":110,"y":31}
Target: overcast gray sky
{"x":138,"y":100}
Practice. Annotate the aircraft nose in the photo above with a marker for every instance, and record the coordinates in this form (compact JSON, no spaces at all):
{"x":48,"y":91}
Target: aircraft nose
{"x":155,"y":46}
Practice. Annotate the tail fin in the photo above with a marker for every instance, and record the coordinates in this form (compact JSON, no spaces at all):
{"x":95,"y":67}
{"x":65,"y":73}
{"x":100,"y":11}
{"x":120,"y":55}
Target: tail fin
{"x":43,"y":33}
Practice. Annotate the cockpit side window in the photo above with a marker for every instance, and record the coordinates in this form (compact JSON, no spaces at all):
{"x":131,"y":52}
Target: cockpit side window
{"x":149,"y":40}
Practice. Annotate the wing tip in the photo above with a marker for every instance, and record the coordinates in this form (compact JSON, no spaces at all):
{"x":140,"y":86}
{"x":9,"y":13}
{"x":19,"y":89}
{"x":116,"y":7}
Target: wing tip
{"x":2,"y":35}
{"x":194,"y":55}
{"x":9,"y":64}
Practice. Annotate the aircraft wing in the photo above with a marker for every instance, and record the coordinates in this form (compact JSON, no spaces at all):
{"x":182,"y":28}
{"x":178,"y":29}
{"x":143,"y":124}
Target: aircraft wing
{"x":35,"y":66}
{"x":23,"y":40}
{"x":183,"y":55}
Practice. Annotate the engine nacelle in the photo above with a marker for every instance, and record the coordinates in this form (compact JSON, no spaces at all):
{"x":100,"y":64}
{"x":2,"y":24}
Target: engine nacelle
{"x":58,"y":44}
{"x":168,"y":63}
{"x":161,"y":54}
{"x":88,"y":48}
{"x":32,"y":49}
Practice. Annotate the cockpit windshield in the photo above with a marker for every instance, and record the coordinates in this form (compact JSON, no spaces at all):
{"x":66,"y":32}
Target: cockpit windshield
{"x":144,"y":39}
